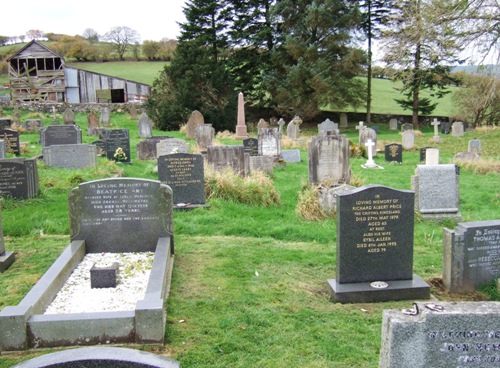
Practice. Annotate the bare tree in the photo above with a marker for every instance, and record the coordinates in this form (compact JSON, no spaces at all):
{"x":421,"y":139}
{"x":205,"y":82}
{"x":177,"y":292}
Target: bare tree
{"x":122,"y":38}
{"x":35,"y":34}
{"x":90,"y":35}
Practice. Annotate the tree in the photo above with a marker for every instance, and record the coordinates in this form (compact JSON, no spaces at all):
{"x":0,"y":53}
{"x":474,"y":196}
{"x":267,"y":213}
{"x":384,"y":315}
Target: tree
{"x":121,"y":39}
{"x":90,"y":35}
{"x":4,"y":40}
{"x":167,"y":49}
{"x":35,"y":34}
{"x":150,"y":49}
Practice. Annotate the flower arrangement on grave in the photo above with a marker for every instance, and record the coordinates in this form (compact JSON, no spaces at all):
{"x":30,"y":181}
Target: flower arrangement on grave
{"x":120,"y":155}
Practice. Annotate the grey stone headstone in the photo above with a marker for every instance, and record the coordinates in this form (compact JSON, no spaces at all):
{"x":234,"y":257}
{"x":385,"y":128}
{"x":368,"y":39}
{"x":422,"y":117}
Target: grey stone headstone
{"x":2,"y":149}
{"x":436,"y":191}
{"x":147,"y":149}
{"x":262,"y":124}
{"x":222,"y":157}
{"x":120,"y":215}
{"x":195,"y":119}
{"x":457,"y":129}
{"x":432,"y":156}
{"x":11,"y":139}
{"x":144,"y":126}
{"x":466,"y":156}
{"x":269,"y":142}
{"x":19,"y":178}
{"x":394,"y":153}
{"x":70,"y":156}
{"x":368,"y":134}
{"x":172,"y":145}
{"x":393,"y":124}
{"x":441,"y":335}
{"x":475,"y":145}
{"x":101,"y":147}
{"x":471,"y":255}
{"x":406,"y":126}
{"x":133,"y":112}
{"x":408,"y":139}
{"x":261,"y":163}
{"x":33,"y":125}
{"x":184,"y":173}
{"x":343,"y":120}
{"x":293,"y":128}
{"x":329,"y":159}
{"x":204,"y":136}
{"x":68,"y":117}
{"x":60,"y":134}
{"x":6,"y":258}
{"x":327,"y":125}
{"x":327,"y":196}
{"x":114,"y":139}
{"x":281,"y":123}
{"x":105,"y":117}
{"x":291,"y":155}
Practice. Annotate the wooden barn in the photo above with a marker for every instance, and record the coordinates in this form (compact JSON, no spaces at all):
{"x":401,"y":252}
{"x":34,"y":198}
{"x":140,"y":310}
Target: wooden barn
{"x":39,"y":74}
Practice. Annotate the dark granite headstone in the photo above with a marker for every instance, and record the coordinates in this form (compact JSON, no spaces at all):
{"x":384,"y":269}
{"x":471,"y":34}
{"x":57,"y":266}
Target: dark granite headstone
{"x":394,"y":152}
{"x":251,"y":146}
{"x":11,"y":139}
{"x":6,"y":258}
{"x":113,"y":215}
{"x":19,"y":178}
{"x":184,"y":173}
{"x":445,"y":127}
{"x":375,"y":246}
{"x":114,"y":139}
{"x":5,"y":123}
{"x":60,"y":134}
{"x":103,"y":276}
{"x":101,"y":147}
{"x":375,"y":128}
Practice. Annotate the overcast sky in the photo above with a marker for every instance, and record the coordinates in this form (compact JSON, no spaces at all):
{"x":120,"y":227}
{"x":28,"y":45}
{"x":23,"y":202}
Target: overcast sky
{"x":152,"y":19}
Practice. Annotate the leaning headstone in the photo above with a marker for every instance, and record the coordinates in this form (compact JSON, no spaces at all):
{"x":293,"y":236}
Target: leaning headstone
{"x":204,"y":136}
{"x":375,"y":226}
{"x":68,"y":117}
{"x":457,"y":129}
{"x":195,"y":119}
{"x":70,"y":156}
{"x":262,"y":124}
{"x":241,"y":128}
{"x":144,"y":126}
{"x":93,"y":127}
{"x":432,"y":156}
{"x":5,"y":123}
{"x":343,"y":120}
{"x":6,"y":258}
{"x":393,"y":124}
{"x":408,"y":139}
{"x":33,"y":125}
{"x":329,"y":159}
{"x":293,"y":128}
{"x":234,"y":157}
{"x":437,"y":192}
{"x":117,"y":140}
{"x":269,"y":142}
{"x":105,"y":116}
{"x":406,"y":126}
{"x":251,"y":146}
{"x":11,"y":139}
{"x":291,"y":155}
{"x":172,"y":145}
{"x":475,"y":146}
{"x":19,"y":178}
{"x":441,"y":335}
{"x":446,"y":127}
{"x":366,"y":135}
{"x":184,"y":173}
{"x":471,"y":255}
{"x":394,"y":153}
{"x":261,"y":163}
{"x":60,"y":134}
{"x":328,"y":126}
{"x":2,"y":149}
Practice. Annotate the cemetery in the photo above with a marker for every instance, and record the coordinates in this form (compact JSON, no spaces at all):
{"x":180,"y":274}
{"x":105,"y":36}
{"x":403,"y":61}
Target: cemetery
{"x":346,"y":266}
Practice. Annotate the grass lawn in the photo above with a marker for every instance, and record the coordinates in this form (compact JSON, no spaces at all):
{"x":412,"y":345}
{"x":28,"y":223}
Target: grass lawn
{"x":249,"y":282}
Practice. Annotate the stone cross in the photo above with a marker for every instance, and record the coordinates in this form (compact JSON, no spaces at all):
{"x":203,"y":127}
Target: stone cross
{"x":369,"y":146}
{"x":360,"y":126}
{"x":281,"y":122}
{"x":436,"y":123}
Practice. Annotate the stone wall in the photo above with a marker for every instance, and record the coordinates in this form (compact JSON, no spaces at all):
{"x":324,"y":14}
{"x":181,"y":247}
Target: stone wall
{"x":76,"y":107}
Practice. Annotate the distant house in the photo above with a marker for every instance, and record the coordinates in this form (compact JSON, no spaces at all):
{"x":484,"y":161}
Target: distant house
{"x":38,"y":74}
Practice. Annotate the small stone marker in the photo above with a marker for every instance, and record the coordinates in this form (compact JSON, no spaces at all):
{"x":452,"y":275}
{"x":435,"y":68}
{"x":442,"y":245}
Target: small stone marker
{"x":54,"y":116}
{"x":466,"y":156}
{"x":360,"y":127}
{"x":104,"y":275}
{"x":261,"y":163}
{"x":144,"y":126}
{"x":432,"y":156}
{"x":393,"y":124}
{"x":436,"y":138}
{"x":105,"y":116}
{"x":222,"y":157}
{"x":68,"y":117}
{"x":375,"y":247}
{"x":269,"y":142}
{"x":60,"y":134}
{"x":241,"y":128}
{"x":471,"y":255}
{"x":343,"y":120}
{"x":327,"y":196}
{"x":408,"y":139}
{"x":117,"y":139}
{"x":16,"y":115}
{"x":423,"y":153}
{"x":394,"y":153}
{"x":19,"y":178}
{"x":329,"y":159}
{"x":195,"y":119}
{"x":457,"y":129}
{"x":11,"y":139}
{"x":6,"y":258}
{"x":204,"y":136}
{"x":370,"y":164}
{"x":133,"y":112}
{"x":251,"y":146}
{"x":442,"y":335}
{"x":475,"y":146}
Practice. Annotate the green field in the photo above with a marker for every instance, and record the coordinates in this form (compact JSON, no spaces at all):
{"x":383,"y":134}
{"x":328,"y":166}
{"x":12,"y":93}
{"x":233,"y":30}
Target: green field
{"x":249,"y":281}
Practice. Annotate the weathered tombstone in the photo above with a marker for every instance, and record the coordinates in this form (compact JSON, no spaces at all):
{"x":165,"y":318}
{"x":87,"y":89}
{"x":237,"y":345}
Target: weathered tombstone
{"x":475,"y":146}
{"x":105,"y":116}
{"x":366,"y":135}
{"x":133,"y":112}
{"x":93,"y":127}
{"x":6,"y":258}
{"x":172,"y":145}
{"x":394,"y":153}
{"x":116,"y":139}
{"x":241,"y":128}
{"x":446,"y":127}
{"x":147,"y":149}
{"x":144,"y":126}
{"x":408,"y":140}
{"x":470,"y":255}
{"x":281,"y":123}
{"x":441,"y":335}
{"x":11,"y":139}
{"x":2,"y":149}
{"x":19,"y":178}
{"x":261,"y":163}
{"x":32,"y":125}
{"x":5,"y":123}
{"x":329,"y":159}
{"x":327,"y":196}
{"x":343,"y":120}
{"x":393,"y":124}
{"x":184,"y":173}
{"x":293,"y":128}
{"x":195,"y":119}
{"x":251,"y":146}
{"x":432,"y":156}
{"x":16,"y":115}
{"x":437,"y":192}
{"x":375,"y":247}
{"x":466,"y":156}
{"x":269,"y":142}
{"x":436,"y":138}
{"x":328,"y":126}
{"x":204,"y":136}
{"x":64,"y":134}
{"x":70,"y":156}
{"x":291,"y":155}
{"x":262,"y":124}
{"x":68,"y":117}
{"x":222,"y":157}
{"x":406,"y":126}
{"x":54,"y":116}
{"x":457,"y":129}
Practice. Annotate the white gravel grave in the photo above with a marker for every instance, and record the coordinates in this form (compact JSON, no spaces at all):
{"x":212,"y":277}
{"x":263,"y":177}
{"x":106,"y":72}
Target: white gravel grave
{"x":76,"y":295}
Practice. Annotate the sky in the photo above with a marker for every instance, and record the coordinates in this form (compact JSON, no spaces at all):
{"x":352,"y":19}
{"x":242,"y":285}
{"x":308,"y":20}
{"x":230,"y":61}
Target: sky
{"x":152,"y":19}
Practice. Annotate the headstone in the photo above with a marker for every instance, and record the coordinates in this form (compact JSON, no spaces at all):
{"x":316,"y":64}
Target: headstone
{"x":147,"y":149}
{"x":432,"y":156}
{"x":19,"y":178}
{"x":144,"y":126}
{"x":281,"y":123}
{"x":16,"y":116}
{"x":68,"y":117}
{"x":2,"y":149}
{"x":262,"y":124}
{"x":441,"y":335}
{"x":293,"y":128}
{"x":204,"y":136}
{"x":100,"y":147}
{"x":269,"y":142}
{"x":375,"y":247}
{"x":446,"y":127}
{"x":343,"y":120}
{"x":368,"y":134}
{"x":471,"y":255}
{"x":457,"y":129}
{"x":261,"y":163}
{"x":251,"y":146}
{"x":393,"y":124}
{"x":172,"y":145}
{"x":291,"y":155}
{"x":70,"y":156}
{"x":327,"y":196}
{"x":184,"y":173}
{"x":116,"y":215}
{"x":11,"y":139}
{"x":375,"y":128}
{"x":436,"y":191}
{"x":423,"y":153}
{"x":54,"y":116}
{"x":93,"y":127}
{"x":329,"y":159}
{"x":195,"y":119}
{"x":133,"y":112}
{"x":241,"y":128}
{"x":64,"y":134}
{"x":222,"y":157}
{"x":475,"y":146}
{"x":466,"y":156}
{"x":406,"y":126}
{"x":394,"y":153}
{"x":408,"y":139}
{"x":436,"y":138}
{"x":116,"y":139}
{"x":328,"y":125}
{"x":5,"y":123}
{"x":32,"y":125}
{"x":6,"y":258}
{"x":105,"y":116}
